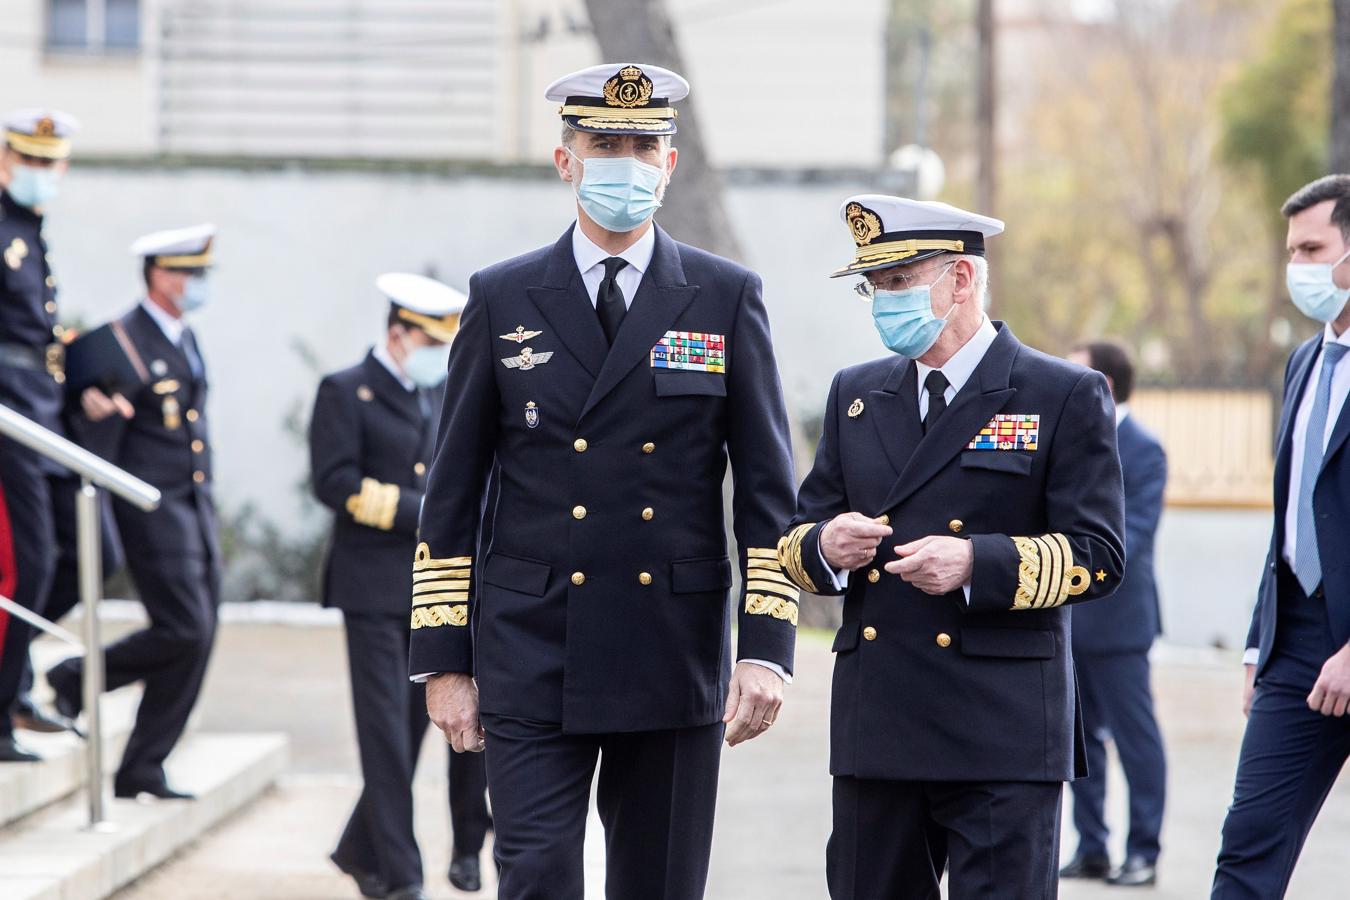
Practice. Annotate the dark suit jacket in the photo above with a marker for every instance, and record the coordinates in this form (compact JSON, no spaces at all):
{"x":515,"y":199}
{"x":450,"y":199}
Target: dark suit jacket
{"x":1131,"y":621}
{"x":933,"y":688}
{"x":1331,"y":507}
{"x":167,"y":444}
{"x":366,"y":425}
{"x":575,"y":504}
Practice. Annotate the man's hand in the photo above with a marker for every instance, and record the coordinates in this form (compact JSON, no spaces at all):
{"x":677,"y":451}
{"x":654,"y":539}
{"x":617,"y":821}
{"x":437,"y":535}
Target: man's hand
{"x":935,"y":564}
{"x":99,"y":406}
{"x":1331,"y":694}
{"x":850,"y":541}
{"x":452,"y":704}
{"x":753,"y":701}
{"x":1248,"y":689}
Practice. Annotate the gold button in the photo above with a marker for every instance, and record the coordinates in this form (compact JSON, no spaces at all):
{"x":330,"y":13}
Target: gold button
{"x":644,"y":578}
{"x":578,"y":578}
{"x":193,"y":415}
{"x":873,"y":576}
{"x":199,"y":476}
{"x":50,"y":306}
{"x":420,"y":468}
{"x":956,"y":525}
{"x":51,"y":282}
{"x":580,"y":445}
{"x":578,"y":512}
{"x":198,"y":446}
{"x":870,"y":633}
{"x":58,"y":330}
{"x":648,"y":447}
{"x":647,"y":514}
{"x":59,"y":377}
{"x":883,"y":520}
{"x":944,"y":640}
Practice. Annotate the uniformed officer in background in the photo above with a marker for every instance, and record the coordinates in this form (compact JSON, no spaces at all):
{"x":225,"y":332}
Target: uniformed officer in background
{"x":574,"y":515}
{"x":371,"y":435}
{"x":39,"y":495}
{"x":985,"y":474}
{"x":157,"y":431}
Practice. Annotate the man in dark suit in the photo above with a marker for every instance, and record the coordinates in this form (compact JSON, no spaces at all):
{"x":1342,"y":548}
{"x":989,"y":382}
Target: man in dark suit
{"x":1298,"y":648}
{"x":373,"y":429}
{"x":1110,"y":649}
{"x":987,"y":473}
{"x":573,"y":555}
{"x":157,"y":430}
{"x":39,"y":495}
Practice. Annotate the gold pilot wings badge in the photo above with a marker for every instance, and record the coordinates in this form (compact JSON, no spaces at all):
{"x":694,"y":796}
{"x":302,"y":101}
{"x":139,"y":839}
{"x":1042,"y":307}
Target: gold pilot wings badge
{"x":1009,"y":431}
{"x":527,"y":359}
{"x":520,"y":335}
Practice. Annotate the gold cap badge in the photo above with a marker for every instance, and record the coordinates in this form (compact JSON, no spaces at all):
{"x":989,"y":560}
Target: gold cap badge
{"x":628,"y":89}
{"x":865,"y":224}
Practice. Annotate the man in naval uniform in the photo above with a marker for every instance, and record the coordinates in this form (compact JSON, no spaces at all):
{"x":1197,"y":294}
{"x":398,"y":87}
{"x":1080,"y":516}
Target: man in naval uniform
{"x":965,"y":488}
{"x":573,"y":554}
{"x":372,"y":431}
{"x":157,"y":431}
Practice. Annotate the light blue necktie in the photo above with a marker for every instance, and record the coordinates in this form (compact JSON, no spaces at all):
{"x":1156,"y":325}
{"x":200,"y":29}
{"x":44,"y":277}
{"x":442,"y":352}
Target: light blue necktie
{"x":1307,"y":563}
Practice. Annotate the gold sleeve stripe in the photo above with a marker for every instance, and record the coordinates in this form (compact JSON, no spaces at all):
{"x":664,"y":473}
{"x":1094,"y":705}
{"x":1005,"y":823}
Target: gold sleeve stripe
{"x":376,"y":505}
{"x":790,"y":557}
{"x":442,"y":597}
{"x":771,"y":564}
{"x":770,"y":581}
{"x":761,"y":553}
{"x":423,"y":561}
{"x":1046,"y":573}
{"x":438,"y":574}
{"x":427,"y":590}
{"x":436,"y":616}
{"x":778,"y":607}
{"x":429,"y":584}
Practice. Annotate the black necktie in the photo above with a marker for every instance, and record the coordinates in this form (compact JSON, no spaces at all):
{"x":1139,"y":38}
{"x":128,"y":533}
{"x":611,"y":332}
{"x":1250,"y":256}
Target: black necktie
{"x":936,"y":385}
{"x":609,"y":299}
{"x":188,"y":344}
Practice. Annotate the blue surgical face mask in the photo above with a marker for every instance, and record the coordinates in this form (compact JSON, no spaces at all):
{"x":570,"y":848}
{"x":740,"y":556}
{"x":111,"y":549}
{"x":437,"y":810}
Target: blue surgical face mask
{"x":905,"y":319}
{"x":32,"y":186}
{"x":619,"y":192}
{"x":1314,"y":292}
{"x":427,"y":366}
{"x":196,"y":293}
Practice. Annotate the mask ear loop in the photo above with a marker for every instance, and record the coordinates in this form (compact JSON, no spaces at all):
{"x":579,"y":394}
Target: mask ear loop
{"x":935,"y":284}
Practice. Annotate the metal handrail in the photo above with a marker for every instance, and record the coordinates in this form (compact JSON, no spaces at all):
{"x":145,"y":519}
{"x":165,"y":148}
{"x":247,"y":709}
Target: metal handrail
{"x":79,"y":460}
{"x":94,"y":473}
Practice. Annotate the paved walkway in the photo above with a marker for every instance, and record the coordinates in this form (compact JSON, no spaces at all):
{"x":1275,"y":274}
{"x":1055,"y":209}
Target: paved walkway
{"x":773,"y":816}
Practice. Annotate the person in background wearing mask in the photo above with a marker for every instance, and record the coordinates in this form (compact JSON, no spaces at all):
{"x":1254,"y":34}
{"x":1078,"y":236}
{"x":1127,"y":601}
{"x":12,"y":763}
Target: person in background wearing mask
{"x":159,"y":434}
{"x":38,"y":494}
{"x":574,"y":516}
{"x":372,"y":432}
{"x":965,"y":489}
{"x":1297,"y":691}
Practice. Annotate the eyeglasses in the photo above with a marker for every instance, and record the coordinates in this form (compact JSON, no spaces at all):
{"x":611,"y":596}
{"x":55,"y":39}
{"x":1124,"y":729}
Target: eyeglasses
{"x":894,"y":281}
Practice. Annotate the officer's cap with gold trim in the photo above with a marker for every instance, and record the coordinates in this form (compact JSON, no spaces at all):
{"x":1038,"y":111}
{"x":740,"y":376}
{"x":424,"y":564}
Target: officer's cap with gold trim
{"x":896,"y":231}
{"x":423,"y":303}
{"x":43,"y":133}
{"x":178,"y":248}
{"x":619,"y":98}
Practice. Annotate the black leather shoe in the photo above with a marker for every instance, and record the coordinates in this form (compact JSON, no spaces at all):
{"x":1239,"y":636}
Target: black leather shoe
{"x":368,"y":883}
{"x":12,"y":751}
{"x":465,"y":873}
{"x":411,"y":892}
{"x":34,"y":718}
{"x":1086,"y":867}
{"x":159,"y":791}
{"x":69,"y":691}
{"x":1136,"y":871}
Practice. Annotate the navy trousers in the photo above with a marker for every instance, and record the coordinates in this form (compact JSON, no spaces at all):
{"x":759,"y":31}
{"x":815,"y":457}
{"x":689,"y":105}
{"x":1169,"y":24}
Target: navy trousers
{"x":1117,"y":704}
{"x":391,"y":721}
{"x":893,"y":839}
{"x":1290,"y":756}
{"x":656,"y":796}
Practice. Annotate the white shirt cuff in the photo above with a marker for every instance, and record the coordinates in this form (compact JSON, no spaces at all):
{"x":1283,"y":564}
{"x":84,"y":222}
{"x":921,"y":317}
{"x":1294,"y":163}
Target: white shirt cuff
{"x":1252,"y":657}
{"x":419,"y":679}
{"x":775,"y":668}
{"x":839,"y":577}
{"x":966,"y":589}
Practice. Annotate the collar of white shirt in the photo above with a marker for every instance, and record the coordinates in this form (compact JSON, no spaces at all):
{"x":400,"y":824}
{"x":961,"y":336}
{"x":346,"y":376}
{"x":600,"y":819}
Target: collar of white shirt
{"x":962,"y":365}
{"x":1122,"y":410}
{"x":1331,"y":337}
{"x":172,"y":328}
{"x":589,"y":254}
{"x":381,"y":354}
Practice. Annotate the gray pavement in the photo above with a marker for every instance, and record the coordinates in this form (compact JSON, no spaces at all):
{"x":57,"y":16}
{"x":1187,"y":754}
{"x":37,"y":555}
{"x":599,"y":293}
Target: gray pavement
{"x":773,"y":814}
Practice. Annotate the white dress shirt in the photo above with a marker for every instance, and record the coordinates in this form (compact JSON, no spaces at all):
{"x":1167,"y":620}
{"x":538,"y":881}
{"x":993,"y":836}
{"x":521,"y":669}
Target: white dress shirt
{"x":957,"y":371}
{"x":172,"y":328}
{"x":381,"y":354}
{"x":590,"y":259}
{"x":1340,"y":389}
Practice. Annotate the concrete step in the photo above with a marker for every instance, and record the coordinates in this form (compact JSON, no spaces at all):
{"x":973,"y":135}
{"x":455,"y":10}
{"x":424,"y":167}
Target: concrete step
{"x":53,"y":855}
